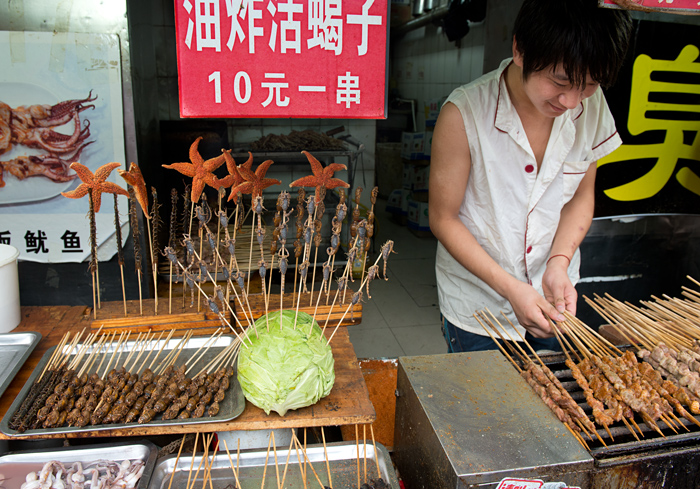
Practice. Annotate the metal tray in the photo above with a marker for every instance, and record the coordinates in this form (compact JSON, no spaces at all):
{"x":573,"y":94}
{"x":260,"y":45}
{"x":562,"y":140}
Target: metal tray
{"x":15,"y":466}
{"x":15,"y":348}
{"x":230,"y":408}
{"x":342,"y":459}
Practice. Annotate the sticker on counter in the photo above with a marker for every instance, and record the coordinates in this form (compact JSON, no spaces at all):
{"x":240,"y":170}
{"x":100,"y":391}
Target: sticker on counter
{"x":510,"y":483}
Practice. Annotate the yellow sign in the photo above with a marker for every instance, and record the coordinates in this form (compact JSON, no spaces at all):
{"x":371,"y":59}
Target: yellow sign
{"x":648,"y":77}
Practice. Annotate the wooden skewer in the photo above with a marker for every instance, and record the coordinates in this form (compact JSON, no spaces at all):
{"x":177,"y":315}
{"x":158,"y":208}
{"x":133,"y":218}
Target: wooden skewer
{"x":235,"y":472}
{"x":160,"y":350}
{"x":357,"y":444}
{"x":376,"y":453}
{"x":583,"y":429}
{"x":301,"y":467}
{"x":211,"y":466}
{"x":286,"y":464}
{"x":182,"y":443}
{"x":580,"y":440}
{"x":204,"y":457}
{"x":364,"y":449}
{"x":197,"y":355}
{"x":515,"y":364}
{"x":274,"y":452}
{"x":325,"y":452}
{"x":629,"y":427}
{"x":55,"y":353}
{"x":150,"y":350}
{"x":194,"y":452}
{"x":267,"y":456}
{"x":147,"y":339}
{"x":306,"y":459}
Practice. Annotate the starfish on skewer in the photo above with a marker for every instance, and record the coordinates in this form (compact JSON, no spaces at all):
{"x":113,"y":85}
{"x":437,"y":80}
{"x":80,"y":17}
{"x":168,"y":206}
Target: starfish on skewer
{"x":95,"y":182}
{"x":134,"y":178}
{"x":234,"y":178}
{"x":200,"y":170}
{"x":322,"y":177}
{"x":253,"y":182}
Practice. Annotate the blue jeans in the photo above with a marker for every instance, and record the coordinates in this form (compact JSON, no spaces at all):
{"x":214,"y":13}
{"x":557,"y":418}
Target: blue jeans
{"x":459,"y":340}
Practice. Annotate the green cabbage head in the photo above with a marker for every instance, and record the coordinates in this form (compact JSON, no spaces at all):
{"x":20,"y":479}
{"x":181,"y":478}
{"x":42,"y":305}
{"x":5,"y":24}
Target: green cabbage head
{"x":286,"y":368}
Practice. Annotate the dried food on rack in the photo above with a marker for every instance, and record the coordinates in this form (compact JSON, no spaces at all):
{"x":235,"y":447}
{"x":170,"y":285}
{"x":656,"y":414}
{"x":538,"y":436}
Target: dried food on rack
{"x":298,"y":140}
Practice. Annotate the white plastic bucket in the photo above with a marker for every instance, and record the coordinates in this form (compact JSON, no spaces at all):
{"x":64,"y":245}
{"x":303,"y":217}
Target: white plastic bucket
{"x":9,"y":289}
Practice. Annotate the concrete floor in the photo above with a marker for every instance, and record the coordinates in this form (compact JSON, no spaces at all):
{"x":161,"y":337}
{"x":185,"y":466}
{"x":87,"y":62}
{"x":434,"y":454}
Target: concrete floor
{"x":402,"y":317}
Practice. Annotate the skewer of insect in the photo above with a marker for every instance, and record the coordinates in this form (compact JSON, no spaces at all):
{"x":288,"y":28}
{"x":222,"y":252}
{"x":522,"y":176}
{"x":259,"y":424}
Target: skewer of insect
{"x":171,"y":244}
{"x":336,"y":229}
{"x":319,"y":211}
{"x":357,"y":296}
{"x":212,"y":303}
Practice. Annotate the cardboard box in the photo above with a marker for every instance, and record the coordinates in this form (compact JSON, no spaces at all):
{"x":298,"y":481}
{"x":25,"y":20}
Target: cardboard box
{"x":421,"y":177}
{"x":397,"y":203}
{"x":408,"y":176}
{"x":431,"y":109}
{"x":418,"y":215}
{"x":412,"y":145}
{"x":428,"y":144}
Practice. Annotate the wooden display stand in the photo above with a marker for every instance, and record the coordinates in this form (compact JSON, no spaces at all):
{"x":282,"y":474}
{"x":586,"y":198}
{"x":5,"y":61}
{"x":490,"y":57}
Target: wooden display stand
{"x":348,"y":402}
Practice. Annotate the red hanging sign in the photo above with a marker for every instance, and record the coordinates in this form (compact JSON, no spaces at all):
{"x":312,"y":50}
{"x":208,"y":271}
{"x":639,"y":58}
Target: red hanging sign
{"x":282,"y":58}
{"x":669,"y":6}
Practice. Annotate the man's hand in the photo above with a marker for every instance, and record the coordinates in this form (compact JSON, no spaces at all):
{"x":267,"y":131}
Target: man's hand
{"x":532,"y":310}
{"x":557,"y":286}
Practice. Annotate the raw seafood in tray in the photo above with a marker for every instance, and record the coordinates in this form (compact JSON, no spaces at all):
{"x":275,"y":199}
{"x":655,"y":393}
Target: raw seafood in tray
{"x":120,"y":465}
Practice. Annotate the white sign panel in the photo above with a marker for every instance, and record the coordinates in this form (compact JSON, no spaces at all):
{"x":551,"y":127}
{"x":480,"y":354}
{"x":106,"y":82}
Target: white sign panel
{"x":60,"y":102}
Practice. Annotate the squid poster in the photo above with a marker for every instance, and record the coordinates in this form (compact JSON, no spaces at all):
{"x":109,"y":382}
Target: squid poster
{"x":60,"y":102}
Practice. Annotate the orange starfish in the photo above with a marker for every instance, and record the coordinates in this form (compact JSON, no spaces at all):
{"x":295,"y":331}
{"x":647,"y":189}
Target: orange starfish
{"x":200,"y":170}
{"x":95,"y":182}
{"x":253,"y":183}
{"x":134,"y":178}
{"x":322,"y":177}
{"x":234,"y":178}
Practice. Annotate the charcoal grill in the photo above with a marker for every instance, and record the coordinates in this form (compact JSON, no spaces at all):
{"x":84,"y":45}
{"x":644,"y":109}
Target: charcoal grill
{"x":469,"y":420}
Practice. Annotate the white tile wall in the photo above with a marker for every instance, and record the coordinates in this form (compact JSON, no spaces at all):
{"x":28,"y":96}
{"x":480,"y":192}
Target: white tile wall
{"x":443,"y":65}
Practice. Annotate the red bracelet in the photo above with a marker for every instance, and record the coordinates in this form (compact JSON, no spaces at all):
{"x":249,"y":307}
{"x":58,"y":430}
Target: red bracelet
{"x":560,"y":254}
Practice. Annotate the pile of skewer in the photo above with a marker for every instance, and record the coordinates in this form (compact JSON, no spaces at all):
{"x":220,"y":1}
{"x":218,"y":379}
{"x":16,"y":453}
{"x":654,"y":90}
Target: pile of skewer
{"x":661,"y":388}
{"x":66,"y":393}
{"x":364,"y":479}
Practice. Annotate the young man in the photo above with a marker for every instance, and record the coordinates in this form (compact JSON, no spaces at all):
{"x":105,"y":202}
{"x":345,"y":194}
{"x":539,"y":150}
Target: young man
{"x":513,"y":171}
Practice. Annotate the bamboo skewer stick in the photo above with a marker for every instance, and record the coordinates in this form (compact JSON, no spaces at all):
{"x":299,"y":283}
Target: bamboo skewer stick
{"x":177,"y":459}
{"x":204,"y":456}
{"x":325,"y":452}
{"x":194,"y":452}
{"x":299,"y":461}
{"x":364,"y":450}
{"x":274,"y":452}
{"x":235,"y":472}
{"x":376,"y":453}
{"x":286,"y":464}
{"x":306,"y":459}
{"x":357,"y":444}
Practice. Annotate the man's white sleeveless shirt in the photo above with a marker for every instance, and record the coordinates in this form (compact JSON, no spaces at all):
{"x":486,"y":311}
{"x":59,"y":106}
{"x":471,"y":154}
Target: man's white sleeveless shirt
{"x":513,"y":210}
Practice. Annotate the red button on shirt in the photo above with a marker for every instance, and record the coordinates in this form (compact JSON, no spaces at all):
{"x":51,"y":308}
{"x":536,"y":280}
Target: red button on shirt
{"x":529,"y":249}
{"x":529,"y":168}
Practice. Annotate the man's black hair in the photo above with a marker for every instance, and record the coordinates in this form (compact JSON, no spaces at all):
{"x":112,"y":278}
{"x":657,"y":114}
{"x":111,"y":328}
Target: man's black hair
{"x":581,"y":36}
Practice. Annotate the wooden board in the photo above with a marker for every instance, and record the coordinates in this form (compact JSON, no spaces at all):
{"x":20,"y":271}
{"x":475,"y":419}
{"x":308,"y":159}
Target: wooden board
{"x":111,"y":316}
{"x":348,"y":402}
